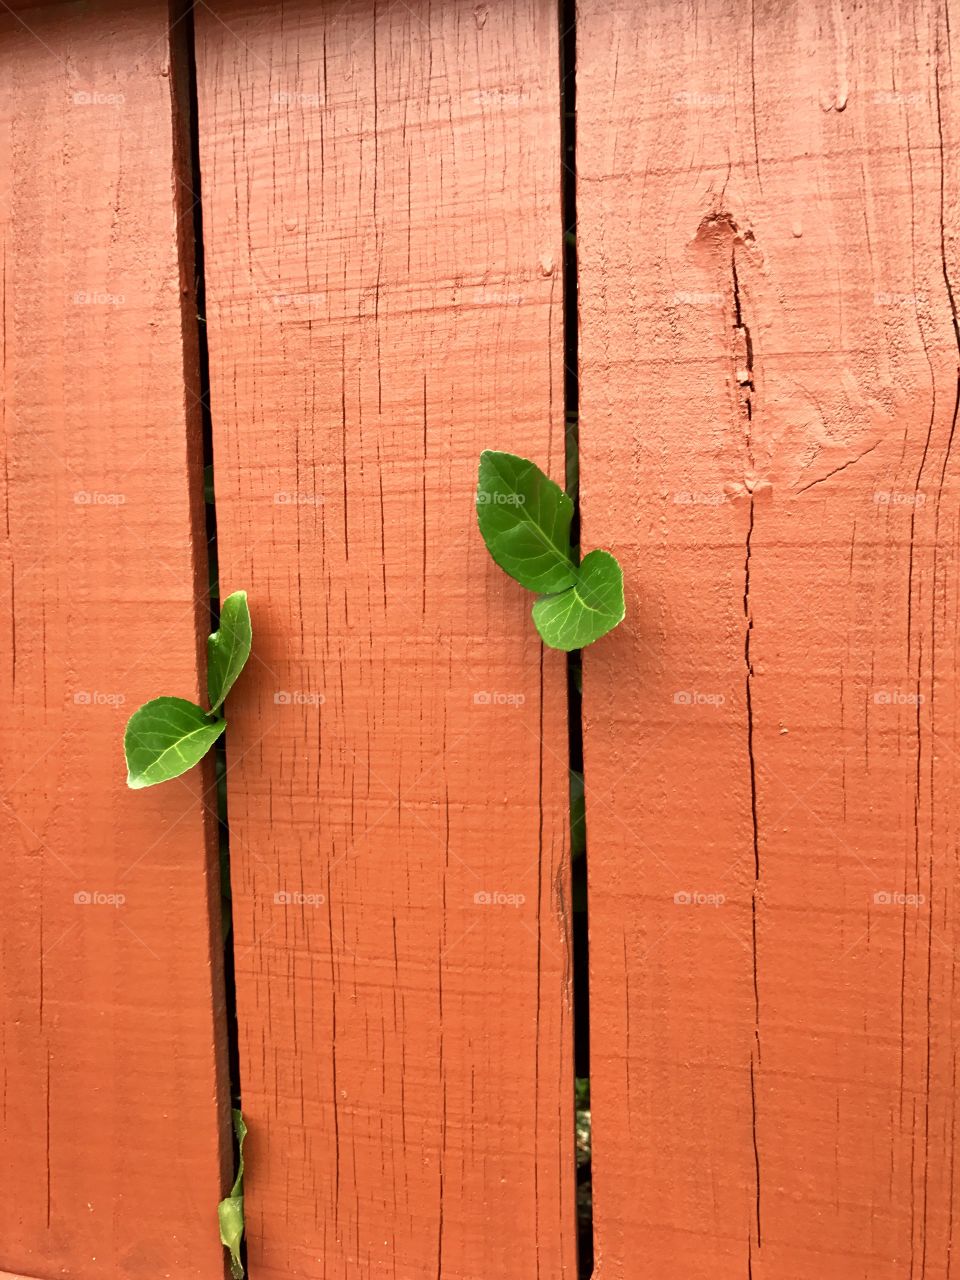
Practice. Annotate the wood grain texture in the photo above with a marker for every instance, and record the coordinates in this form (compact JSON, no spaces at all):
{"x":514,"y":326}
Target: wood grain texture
{"x":768,"y":219}
{"x":382,"y":233}
{"x":111,"y":1105}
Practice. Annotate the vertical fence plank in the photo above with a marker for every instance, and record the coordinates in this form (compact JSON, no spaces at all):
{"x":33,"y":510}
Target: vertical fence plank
{"x":768,"y":231}
{"x":110,"y":1068}
{"x":382,"y":229}
{"x":769,"y":385}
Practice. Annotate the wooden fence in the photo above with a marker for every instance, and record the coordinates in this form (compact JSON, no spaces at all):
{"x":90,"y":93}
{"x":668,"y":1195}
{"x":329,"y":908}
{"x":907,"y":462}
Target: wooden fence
{"x":768,"y":212}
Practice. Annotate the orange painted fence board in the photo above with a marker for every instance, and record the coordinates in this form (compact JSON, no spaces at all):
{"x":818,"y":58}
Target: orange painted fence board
{"x":768,"y":221}
{"x":112,"y":1102}
{"x":383,"y":239}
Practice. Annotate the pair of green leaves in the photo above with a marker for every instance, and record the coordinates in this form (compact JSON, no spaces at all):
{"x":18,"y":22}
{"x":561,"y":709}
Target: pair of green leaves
{"x":525,"y":521}
{"x":230,"y":1210}
{"x":167,"y":736}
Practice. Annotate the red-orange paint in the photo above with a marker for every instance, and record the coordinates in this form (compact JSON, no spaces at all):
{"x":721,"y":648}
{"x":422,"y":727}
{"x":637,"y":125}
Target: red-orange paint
{"x":383,"y":240}
{"x":112,"y":1100}
{"x":769,"y":391}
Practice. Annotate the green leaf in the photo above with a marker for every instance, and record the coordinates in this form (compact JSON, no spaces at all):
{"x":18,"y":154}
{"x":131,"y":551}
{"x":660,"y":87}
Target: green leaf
{"x":230,"y":1217}
{"x":240,"y":1129}
{"x":525,"y":521}
{"x":166,"y":737}
{"x":230,"y":1210}
{"x":587,"y":610}
{"x":229,"y":648}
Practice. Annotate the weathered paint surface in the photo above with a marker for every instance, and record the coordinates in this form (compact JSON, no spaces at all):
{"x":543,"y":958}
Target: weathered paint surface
{"x":382,"y":232}
{"x":768,"y":218}
{"x":110,"y":1122}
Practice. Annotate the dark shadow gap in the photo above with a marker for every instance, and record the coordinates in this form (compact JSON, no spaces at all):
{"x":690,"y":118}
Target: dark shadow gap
{"x":184,"y":69}
{"x":578,"y":832}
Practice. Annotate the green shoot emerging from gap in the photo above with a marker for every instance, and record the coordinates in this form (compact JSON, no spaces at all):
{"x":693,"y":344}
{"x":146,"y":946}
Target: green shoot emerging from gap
{"x":167,"y":736}
{"x":525,"y":520}
{"x":230,"y":1210}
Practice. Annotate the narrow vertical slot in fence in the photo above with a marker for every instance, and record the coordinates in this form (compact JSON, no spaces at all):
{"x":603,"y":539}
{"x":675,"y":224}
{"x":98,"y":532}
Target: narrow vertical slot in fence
{"x":580,"y":933}
{"x":217,"y":803}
